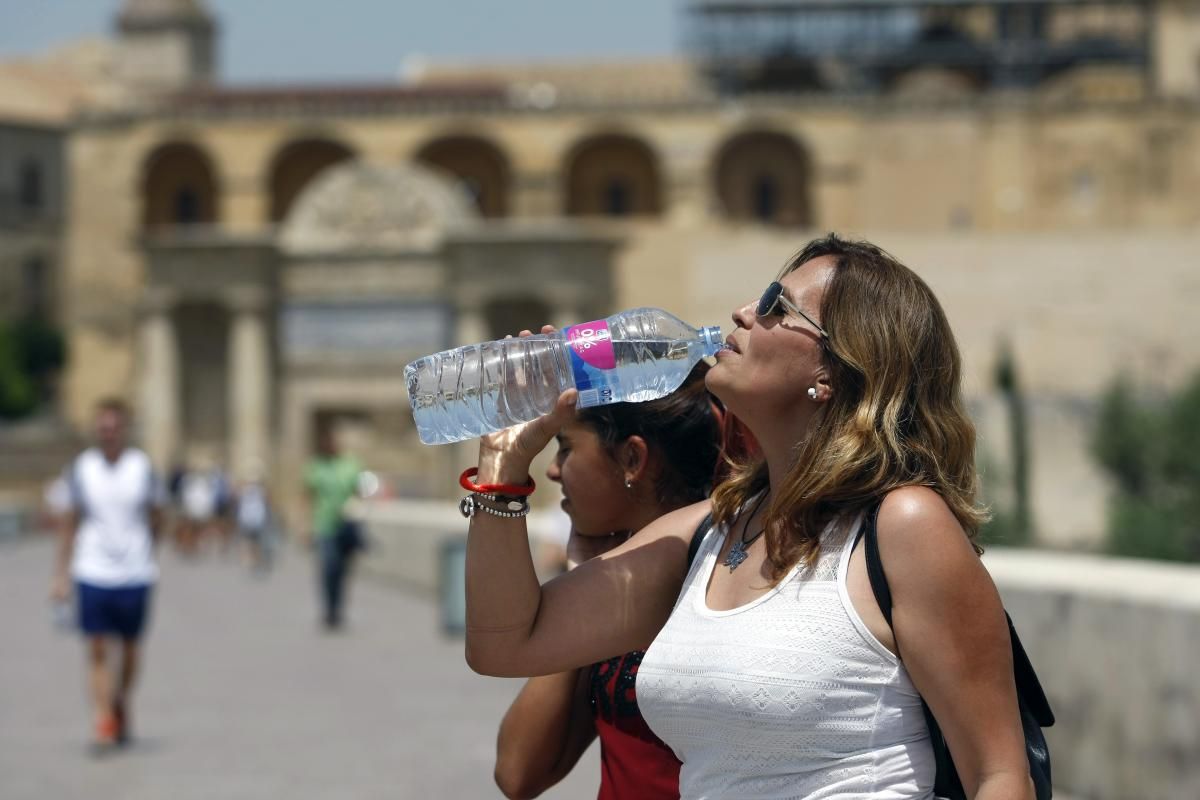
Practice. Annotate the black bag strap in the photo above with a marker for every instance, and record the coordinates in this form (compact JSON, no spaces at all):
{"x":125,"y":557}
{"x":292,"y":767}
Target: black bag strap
{"x":698,"y":539}
{"x":879,"y":584}
{"x":1029,"y":688}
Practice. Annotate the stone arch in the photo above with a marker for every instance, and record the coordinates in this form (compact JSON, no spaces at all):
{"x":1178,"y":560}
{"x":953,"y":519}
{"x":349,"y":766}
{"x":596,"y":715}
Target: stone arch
{"x":479,"y":165}
{"x":612,"y":175}
{"x":361,"y":206}
{"x":179,"y":187}
{"x":294,"y":167}
{"x":765,"y":176}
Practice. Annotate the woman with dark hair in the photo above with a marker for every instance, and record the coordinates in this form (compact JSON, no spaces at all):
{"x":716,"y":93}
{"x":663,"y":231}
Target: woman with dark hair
{"x":771,"y":670}
{"x":621,"y":467}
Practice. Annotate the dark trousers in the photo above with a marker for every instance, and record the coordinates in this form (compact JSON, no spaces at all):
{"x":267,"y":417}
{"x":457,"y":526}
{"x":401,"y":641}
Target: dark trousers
{"x":334,"y":571}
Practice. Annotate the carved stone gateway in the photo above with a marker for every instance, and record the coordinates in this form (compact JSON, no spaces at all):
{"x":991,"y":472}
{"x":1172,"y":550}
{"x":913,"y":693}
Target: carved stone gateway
{"x":376,"y":265}
{"x":357,"y":207}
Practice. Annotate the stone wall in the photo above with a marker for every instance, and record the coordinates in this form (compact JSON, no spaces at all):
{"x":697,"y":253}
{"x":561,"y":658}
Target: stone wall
{"x":31,"y":218}
{"x":407,"y":538}
{"x":1116,"y":643}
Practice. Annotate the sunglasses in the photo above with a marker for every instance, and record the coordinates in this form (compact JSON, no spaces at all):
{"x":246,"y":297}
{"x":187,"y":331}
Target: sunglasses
{"x":774,"y":302}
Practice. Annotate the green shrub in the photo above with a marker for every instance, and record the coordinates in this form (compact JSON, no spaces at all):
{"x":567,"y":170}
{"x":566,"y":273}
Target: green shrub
{"x":1012,"y":526}
{"x":1152,"y":453}
{"x":31,"y":352}
{"x":41,"y":347}
{"x":18,"y":394}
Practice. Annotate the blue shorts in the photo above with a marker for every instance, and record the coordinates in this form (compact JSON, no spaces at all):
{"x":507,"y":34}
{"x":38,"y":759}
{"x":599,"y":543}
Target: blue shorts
{"x":119,"y":611}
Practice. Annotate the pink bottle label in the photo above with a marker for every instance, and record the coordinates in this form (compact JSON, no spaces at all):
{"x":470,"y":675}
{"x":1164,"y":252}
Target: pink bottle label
{"x":592,"y":342}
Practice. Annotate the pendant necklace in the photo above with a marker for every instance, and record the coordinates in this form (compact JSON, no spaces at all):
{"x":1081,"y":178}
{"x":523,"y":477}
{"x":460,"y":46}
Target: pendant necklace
{"x":737,"y":552}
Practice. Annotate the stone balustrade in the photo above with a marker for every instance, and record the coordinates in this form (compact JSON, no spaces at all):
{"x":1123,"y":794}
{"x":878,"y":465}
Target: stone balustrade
{"x":1116,"y":643}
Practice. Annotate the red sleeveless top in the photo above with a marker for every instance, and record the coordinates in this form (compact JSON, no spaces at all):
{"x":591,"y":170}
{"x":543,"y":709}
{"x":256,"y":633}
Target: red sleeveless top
{"x":633,"y":761}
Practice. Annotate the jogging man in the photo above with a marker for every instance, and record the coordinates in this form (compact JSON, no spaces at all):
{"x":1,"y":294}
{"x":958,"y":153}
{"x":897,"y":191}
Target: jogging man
{"x":106,"y":548}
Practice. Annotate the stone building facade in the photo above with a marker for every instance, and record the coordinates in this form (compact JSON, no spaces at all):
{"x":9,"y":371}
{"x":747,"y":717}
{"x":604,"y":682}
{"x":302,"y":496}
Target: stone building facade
{"x":1039,"y":208}
{"x":31,"y":212}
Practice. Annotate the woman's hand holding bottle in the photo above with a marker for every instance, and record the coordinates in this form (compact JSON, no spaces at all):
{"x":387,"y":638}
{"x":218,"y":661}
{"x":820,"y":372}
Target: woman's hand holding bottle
{"x":505,"y":456}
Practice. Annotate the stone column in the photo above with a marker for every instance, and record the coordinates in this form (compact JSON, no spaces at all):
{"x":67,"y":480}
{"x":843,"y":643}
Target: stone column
{"x":159,"y":406}
{"x":249,"y":381}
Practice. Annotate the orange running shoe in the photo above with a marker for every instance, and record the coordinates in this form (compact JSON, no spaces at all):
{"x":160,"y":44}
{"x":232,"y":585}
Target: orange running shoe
{"x":106,"y":730}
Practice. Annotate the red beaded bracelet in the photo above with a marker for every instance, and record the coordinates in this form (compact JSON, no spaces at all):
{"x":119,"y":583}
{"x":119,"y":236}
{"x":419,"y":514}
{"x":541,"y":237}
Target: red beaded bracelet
{"x":507,"y":489}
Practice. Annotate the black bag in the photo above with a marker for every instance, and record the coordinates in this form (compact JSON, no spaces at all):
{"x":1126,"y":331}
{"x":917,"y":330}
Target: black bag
{"x":1035,"y":709}
{"x":350,"y":538}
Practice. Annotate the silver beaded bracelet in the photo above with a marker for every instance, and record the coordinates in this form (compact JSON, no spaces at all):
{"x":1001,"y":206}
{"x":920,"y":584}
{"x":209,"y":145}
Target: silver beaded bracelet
{"x":474,"y":502}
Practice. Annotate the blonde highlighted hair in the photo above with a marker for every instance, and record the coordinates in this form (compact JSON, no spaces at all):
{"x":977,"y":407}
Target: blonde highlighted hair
{"x":895,"y":416}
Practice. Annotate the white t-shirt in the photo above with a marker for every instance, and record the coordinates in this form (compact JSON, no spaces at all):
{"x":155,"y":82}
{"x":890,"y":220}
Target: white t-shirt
{"x":113,"y":545}
{"x":199,"y":494}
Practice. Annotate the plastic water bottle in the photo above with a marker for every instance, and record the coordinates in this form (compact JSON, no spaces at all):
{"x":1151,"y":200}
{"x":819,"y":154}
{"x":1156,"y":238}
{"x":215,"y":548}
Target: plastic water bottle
{"x":634,"y":356}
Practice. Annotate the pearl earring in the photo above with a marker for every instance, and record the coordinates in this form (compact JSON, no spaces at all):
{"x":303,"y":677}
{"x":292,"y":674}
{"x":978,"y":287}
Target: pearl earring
{"x":812,"y":393}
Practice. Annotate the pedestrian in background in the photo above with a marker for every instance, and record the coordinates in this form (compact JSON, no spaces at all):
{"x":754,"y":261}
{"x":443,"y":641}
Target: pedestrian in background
{"x":331,"y":480}
{"x":255,"y":520}
{"x":106,"y":547}
{"x":200,"y":495}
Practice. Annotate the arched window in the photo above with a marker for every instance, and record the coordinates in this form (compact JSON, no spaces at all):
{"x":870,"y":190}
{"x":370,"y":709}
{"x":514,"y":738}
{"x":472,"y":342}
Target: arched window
{"x":614,"y":176}
{"x":296,"y":165}
{"x":30,"y":191}
{"x":187,"y":206}
{"x":764,"y":177}
{"x":766,"y":198}
{"x":618,"y":198}
{"x":178,"y":187}
{"x":480,"y":166}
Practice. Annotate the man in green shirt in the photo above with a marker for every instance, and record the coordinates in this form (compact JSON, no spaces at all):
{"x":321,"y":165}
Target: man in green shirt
{"x":331,"y":480}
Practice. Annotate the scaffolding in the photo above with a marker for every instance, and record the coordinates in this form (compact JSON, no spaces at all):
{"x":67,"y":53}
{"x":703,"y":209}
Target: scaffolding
{"x":867,"y":46}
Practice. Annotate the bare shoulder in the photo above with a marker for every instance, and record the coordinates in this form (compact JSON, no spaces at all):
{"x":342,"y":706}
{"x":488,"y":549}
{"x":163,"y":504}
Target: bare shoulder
{"x":678,"y":524}
{"x":919,"y":534}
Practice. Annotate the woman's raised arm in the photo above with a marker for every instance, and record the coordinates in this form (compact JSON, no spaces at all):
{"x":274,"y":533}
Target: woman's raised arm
{"x":610,"y":605}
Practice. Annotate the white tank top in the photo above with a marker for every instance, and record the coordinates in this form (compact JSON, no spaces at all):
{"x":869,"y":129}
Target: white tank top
{"x":113,"y":546}
{"x":788,"y":696}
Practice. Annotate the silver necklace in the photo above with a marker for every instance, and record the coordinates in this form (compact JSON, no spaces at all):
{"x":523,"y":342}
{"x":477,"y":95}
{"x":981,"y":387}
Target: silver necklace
{"x":737,"y":552}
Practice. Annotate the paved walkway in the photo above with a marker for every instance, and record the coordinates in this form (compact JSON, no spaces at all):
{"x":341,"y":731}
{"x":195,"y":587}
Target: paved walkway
{"x":244,"y":698}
